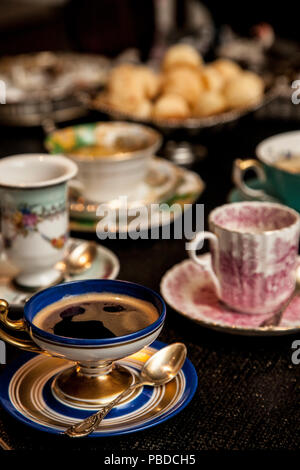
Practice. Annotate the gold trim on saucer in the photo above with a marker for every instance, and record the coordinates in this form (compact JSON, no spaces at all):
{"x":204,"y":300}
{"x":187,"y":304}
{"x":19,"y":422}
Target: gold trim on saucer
{"x":27,"y":385}
{"x":78,"y":389}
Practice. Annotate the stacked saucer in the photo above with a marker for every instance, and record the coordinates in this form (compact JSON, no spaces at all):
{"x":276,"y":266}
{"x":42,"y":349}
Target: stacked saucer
{"x":164,"y":186}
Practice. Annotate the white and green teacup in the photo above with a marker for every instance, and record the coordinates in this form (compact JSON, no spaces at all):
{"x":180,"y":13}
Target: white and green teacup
{"x":34,"y":214}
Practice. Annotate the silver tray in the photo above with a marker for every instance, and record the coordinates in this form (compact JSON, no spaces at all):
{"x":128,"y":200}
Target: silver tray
{"x":42,"y":113}
{"x":47,"y":106}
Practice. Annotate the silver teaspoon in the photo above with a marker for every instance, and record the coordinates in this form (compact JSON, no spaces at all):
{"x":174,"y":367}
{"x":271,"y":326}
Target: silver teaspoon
{"x":162,"y":367}
{"x":79,"y":258}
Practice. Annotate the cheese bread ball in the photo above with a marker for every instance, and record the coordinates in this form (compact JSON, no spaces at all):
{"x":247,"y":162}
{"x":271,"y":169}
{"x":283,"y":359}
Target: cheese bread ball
{"x":211,"y":78}
{"x":243,"y":90}
{"x":118,"y":76}
{"x":227,"y":68}
{"x":170,"y":107}
{"x":209,"y":103}
{"x":184,"y":82}
{"x":139,"y":107}
{"x":181,"y":54}
{"x":149,"y":81}
{"x":129,"y":88}
{"x":143,"y":110}
{"x":124,"y":84}
{"x":132,"y":83}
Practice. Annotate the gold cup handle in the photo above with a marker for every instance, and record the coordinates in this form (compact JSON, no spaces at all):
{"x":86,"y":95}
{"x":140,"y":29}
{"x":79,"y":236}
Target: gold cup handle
{"x":240,"y":167}
{"x":16,"y":325}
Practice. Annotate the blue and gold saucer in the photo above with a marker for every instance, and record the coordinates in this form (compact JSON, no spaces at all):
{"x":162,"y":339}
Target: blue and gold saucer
{"x":26,"y":393}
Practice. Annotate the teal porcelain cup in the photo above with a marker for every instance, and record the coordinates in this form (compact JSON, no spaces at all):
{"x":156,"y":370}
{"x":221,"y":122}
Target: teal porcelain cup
{"x":281,"y":185}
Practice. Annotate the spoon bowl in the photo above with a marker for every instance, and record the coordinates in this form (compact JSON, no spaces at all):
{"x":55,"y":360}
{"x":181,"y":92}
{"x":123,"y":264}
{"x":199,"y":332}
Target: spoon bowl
{"x":164,"y":365}
{"x":81,"y":257}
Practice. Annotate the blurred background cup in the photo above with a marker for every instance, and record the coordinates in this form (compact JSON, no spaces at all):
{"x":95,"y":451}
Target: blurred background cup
{"x":278,"y":167}
{"x":254,"y":247}
{"x":34,"y":214}
{"x":112,"y":157}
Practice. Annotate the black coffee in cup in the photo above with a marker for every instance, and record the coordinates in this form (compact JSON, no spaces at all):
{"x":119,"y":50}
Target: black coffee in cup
{"x":96,"y":316}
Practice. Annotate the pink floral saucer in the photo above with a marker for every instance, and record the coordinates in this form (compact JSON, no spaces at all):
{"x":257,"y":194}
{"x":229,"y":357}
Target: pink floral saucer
{"x":189,"y":290}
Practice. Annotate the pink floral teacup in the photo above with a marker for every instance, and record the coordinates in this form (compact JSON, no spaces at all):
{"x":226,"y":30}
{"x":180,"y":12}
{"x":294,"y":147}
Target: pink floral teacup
{"x":254,"y":247}
{"x":34,"y":214}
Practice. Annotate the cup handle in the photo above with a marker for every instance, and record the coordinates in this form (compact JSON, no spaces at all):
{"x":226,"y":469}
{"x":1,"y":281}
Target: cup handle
{"x":239,"y":169}
{"x":192,"y":248}
{"x":16,"y":325}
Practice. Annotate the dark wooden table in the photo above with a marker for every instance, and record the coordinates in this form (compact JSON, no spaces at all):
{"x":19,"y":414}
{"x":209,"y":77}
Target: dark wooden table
{"x":248,"y":393}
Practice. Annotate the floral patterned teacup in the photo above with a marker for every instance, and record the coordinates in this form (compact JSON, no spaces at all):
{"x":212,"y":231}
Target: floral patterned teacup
{"x":34,"y":214}
{"x":254,"y":248}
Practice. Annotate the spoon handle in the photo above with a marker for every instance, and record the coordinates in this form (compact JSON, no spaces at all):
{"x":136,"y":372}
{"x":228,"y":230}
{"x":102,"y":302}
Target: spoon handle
{"x":276,"y":318}
{"x":3,"y":445}
{"x":89,"y":424}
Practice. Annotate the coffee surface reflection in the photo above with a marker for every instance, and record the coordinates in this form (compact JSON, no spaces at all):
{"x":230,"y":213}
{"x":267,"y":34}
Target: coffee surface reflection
{"x":96,"y":316}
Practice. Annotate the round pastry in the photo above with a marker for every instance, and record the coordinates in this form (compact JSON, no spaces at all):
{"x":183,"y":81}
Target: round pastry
{"x":211,"y":78}
{"x":209,"y":103}
{"x":143,"y":110}
{"x":149,"y":81}
{"x":227,"y":68}
{"x":181,"y":54}
{"x":185,"y":82}
{"x":129,"y":82}
{"x":129,"y":104}
{"x":184,"y":88}
{"x":243,"y":90}
{"x":170,"y":107}
{"x":119,"y":77}
{"x":124,"y":84}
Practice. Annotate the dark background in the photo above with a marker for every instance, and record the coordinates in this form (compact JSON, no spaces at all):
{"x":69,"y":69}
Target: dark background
{"x":110,"y":26}
{"x":248,"y":393}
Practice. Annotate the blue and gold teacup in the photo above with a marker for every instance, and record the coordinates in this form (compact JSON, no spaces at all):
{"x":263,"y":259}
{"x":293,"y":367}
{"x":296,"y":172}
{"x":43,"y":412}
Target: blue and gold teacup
{"x":272,"y":169}
{"x":94,"y":380}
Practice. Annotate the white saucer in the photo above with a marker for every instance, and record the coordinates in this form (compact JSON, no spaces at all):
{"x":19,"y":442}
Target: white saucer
{"x":186,"y":187}
{"x":189,"y":290}
{"x":105,"y":266}
{"x":161,"y":181}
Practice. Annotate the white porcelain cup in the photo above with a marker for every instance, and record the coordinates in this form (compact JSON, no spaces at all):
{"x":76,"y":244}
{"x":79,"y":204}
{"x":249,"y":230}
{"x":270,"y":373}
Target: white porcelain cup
{"x":107,"y":177}
{"x":254,"y":247}
{"x":34,"y":214}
